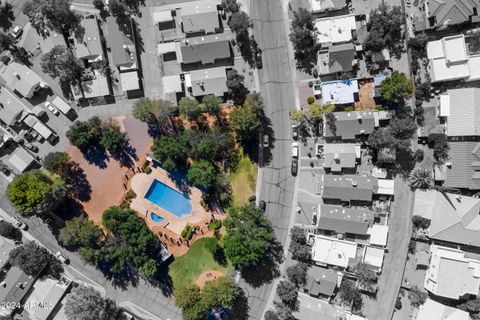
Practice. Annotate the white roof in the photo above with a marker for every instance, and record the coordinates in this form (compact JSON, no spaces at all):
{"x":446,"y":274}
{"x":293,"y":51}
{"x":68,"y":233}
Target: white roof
{"x":332,"y":251}
{"x":444,"y":105}
{"x":166,"y":47}
{"x":374,"y":256}
{"x":172,"y":84}
{"x":386,"y":186}
{"x":432,"y":310}
{"x":21,"y":159}
{"x":61,"y":104}
{"x":451,"y":274}
{"x":339,"y":92}
{"x":378,"y":235}
{"x":335,"y":29}
{"x":130,"y":80}
{"x":42,"y":129}
{"x":161,"y":16}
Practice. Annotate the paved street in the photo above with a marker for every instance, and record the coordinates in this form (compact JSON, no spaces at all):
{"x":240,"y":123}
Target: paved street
{"x":277,"y":91}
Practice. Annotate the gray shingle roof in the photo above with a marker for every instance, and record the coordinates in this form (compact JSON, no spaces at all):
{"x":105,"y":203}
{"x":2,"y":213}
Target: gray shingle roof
{"x":340,"y":57}
{"x":345,"y":220}
{"x":320,"y":281}
{"x":205,"y":49}
{"x":349,"y":187}
{"x":350,"y":124}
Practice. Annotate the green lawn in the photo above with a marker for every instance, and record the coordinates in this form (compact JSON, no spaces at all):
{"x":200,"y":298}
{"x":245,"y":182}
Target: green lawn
{"x":185,"y":269}
{"x":243,"y":181}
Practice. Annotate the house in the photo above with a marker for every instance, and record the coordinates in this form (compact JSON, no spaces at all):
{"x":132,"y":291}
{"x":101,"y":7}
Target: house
{"x":96,"y":85}
{"x":433,"y":310}
{"x":21,"y":160}
{"x":462,"y":170}
{"x":374,"y":257}
{"x":348,"y":188}
{"x":318,"y":6}
{"x":21,"y":79}
{"x":321,"y":282}
{"x":339,"y":91}
{"x":349,"y":125}
{"x":199,"y":17}
{"x":11,"y":107}
{"x":204,"y":82}
{"x":89,"y":47}
{"x":340,"y":157}
{"x":459,"y":109}
{"x":52,"y":299}
{"x":332,"y":251}
{"x":347,"y":221}
{"x":378,"y":235}
{"x":334,"y":30}
{"x":449,"y":59}
{"x":451,"y":274}
{"x":454,"y":218}
{"x":341,"y":58}
{"x":441,"y":14}
{"x":204,"y":50}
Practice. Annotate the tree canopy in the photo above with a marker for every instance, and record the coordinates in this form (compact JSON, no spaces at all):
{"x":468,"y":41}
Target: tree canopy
{"x":112,"y":138}
{"x":440,"y":148}
{"x":57,"y":162}
{"x":303,"y":37}
{"x":297,"y":273}
{"x":288,"y":293}
{"x":171,"y":152}
{"x":34,"y":192}
{"x":385,"y":29}
{"x":350,"y":294}
{"x":85,"y":303}
{"x":240,"y":22}
{"x":202,"y":173}
{"x":298,"y":245}
{"x":80,"y":232}
{"x":420,"y":178}
{"x":212,"y":105}
{"x":155,"y":112}
{"x":248,"y":235}
{"x":246,"y":122}
{"x":33,"y":259}
{"x":190,"y":108}
{"x":396,"y":88}
{"x":60,"y":63}
{"x":84,"y":134}
{"x":9,"y":231}
{"x":236,"y":87}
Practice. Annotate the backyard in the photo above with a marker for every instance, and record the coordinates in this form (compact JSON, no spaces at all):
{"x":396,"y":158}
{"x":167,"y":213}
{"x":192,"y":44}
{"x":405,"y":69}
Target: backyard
{"x":243,"y":181}
{"x":198,"y":260}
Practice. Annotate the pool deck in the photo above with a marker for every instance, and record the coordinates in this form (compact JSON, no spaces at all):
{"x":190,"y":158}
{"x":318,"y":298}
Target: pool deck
{"x":141,"y":182}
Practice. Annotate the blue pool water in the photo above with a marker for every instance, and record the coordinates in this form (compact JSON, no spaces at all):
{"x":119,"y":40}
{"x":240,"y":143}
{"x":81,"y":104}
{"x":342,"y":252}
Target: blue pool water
{"x":168,"y":198}
{"x":155,"y":217}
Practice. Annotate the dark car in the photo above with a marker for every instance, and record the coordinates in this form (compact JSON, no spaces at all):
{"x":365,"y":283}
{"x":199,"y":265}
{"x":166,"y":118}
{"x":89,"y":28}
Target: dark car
{"x":294,"y":132}
{"x":262,"y":205}
{"x":294,"y":167}
{"x":258,"y":59}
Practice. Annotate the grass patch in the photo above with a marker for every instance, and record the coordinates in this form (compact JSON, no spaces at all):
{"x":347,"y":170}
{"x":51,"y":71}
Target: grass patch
{"x":185,"y":269}
{"x":243,"y":181}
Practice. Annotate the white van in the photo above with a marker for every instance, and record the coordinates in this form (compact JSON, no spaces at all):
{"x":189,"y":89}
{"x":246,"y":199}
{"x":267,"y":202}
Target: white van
{"x":61,"y":105}
{"x":295,"y":150}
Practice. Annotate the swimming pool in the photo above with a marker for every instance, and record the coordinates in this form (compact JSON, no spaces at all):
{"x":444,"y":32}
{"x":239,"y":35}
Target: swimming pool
{"x":155,"y":217}
{"x":168,"y":199}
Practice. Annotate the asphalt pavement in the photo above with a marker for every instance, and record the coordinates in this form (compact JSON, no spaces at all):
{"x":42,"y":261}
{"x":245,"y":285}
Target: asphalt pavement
{"x":277,"y":89}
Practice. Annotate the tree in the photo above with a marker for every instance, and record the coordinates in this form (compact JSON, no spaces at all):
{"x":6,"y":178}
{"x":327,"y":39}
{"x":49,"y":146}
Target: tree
{"x":303,"y":37}
{"x":80,"y":232}
{"x":85,"y":303}
{"x":381,"y":138}
{"x":240,"y":22}
{"x":420,"y":222}
{"x":190,"y":108}
{"x":189,"y":299}
{"x":213,"y":146}
{"x":403,"y":128}
{"x":385,"y":29}
{"x":350,"y":294}
{"x":202,"y":173}
{"x":155,"y":112}
{"x":472,"y":306}
{"x":284,"y":312}
{"x":440,"y":148}
{"x":34,"y":192}
{"x":172,"y":153}
{"x":85,"y":134}
{"x":420,"y":178}
{"x":248,"y":235}
{"x":5,"y":42}
{"x":317,"y":111}
{"x":298,"y":245}
{"x":417,"y":296}
{"x":220,"y":292}
{"x":112,"y":138}
{"x":297,"y":273}
{"x":246,"y":122}
{"x":60,"y":63}
{"x":231,"y":6}
{"x":7,"y":230}
{"x":270,"y":315}
{"x":212,"y":105}
{"x":57,"y":162}
{"x":287,"y":292}
{"x":236,"y":87}
{"x":51,"y":14}
{"x":365,"y":274}
{"x":396,"y":88}
{"x":33,"y":259}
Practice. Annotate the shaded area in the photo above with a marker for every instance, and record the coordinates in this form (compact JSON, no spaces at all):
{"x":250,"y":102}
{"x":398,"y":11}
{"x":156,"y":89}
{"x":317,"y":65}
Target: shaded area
{"x":6,"y":16}
{"x":240,"y":307}
{"x":77,"y":179}
{"x":267,"y":269}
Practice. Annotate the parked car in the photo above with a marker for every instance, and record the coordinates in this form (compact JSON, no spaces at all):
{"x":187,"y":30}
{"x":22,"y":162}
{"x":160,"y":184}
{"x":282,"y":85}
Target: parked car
{"x":266,"y":141}
{"x":19,"y":223}
{"x":62,"y":259}
{"x":30,"y":146}
{"x":294,"y":131}
{"x":295,"y":150}
{"x":294,"y":168}
{"x":262,"y":205}
{"x":51,"y":108}
{"x":258,"y":59}
{"x":16,"y":32}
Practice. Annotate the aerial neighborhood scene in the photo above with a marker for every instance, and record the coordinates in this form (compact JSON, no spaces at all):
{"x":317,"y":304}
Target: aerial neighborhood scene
{"x":239,"y":159}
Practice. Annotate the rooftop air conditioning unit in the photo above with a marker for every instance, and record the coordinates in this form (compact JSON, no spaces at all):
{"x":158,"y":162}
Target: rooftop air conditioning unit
{"x":354,"y":183}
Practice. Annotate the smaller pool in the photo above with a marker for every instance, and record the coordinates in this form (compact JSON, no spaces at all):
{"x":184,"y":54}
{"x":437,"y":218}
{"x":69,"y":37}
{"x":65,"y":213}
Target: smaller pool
{"x":155,"y":217}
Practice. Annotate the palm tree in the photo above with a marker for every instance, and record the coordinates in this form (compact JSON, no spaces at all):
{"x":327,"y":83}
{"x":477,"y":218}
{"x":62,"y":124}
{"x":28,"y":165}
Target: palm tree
{"x":420,"y":178}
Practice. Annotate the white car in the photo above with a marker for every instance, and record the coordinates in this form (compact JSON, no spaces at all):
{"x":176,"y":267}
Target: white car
{"x":295,"y":150}
{"x":16,"y":32}
{"x":62,"y":259}
{"x":18,"y":223}
{"x":51,"y":108}
{"x":266,"y":140}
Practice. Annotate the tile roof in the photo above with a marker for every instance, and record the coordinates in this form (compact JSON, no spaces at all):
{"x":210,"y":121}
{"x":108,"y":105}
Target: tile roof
{"x":454,"y":218}
{"x":432,"y":310}
{"x":199,"y":17}
{"x":451,"y":274}
{"x":350,"y":124}
{"x":452,"y":12}
{"x":90,"y":47}
{"x":349,"y":187}
{"x":205,"y":49}
{"x":339,"y":156}
{"x":464,"y":113}
{"x":340,"y":57}
{"x":121,"y":45}
{"x":11,"y":107}
{"x":463,"y":166}
{"x":345,"y":220}
{"x":20,"y":78}
{"x":321,"y":281}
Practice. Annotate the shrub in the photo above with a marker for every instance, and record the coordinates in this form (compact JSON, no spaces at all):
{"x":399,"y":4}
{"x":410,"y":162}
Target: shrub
{"x":148,"y":170}
{"x":412,"y":247}
{"x":417,"y":296}
{"x":398,"y":304}
{"x":130,"y":194}
{"x":310,"y":100}
{"x":379,"y":108}
{"x":420,"y":222}
{"x":252,"y":198}
{"x":215,"y":224}
{"x":315,"y":73}
{"x":419,"y":155}
{"x":187,"y":232}
{"x":349,"y":109}
{"x":7,"y":230}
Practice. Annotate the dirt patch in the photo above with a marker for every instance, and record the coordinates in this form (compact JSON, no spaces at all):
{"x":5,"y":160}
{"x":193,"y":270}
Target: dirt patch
{"x":208,"y":276}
